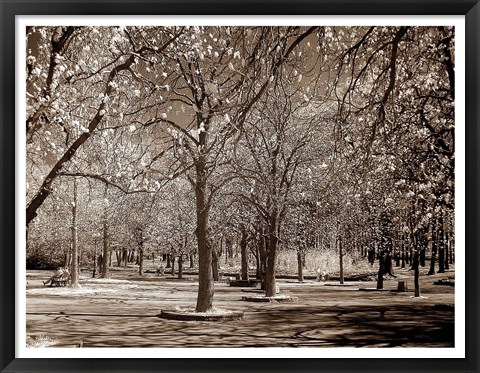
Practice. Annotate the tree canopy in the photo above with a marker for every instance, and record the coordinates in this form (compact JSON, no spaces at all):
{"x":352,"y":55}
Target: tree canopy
{"x":333,"y":131}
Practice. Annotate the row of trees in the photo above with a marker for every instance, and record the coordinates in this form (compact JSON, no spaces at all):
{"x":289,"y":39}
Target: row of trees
{"x":295,"y":137}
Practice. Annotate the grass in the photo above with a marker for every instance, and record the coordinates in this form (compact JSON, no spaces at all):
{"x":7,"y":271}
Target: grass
{"x":326,"y":261}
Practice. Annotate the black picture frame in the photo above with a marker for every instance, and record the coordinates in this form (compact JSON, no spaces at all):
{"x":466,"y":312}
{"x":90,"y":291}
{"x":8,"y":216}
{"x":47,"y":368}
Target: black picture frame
{"x":11,"y":8}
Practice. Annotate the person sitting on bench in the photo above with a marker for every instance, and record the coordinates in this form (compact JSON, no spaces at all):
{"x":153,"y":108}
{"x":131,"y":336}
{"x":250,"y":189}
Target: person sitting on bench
{"x":58,"y":274}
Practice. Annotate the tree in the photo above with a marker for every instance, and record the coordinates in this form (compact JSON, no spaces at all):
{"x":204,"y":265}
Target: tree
{"x":221,"y":72}
{"x":94,"y":79}
{"x":337,"y":138}
{"x":277,"y":134}
{"x":396,"y":84}
{"x":75,"y":257}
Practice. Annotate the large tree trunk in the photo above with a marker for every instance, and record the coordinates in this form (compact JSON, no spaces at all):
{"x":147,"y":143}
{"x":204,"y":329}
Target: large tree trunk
{"x":434,"y":250}
{"x":300,"y":266}
{"x":402,"y":252}
{"x":125,"y":257}
{"x":131,"y":256}
{"x":140,"y":251}
{"x":205,"y":273}
{"x":262,"y":247}
{"x":243,"y":252}
{"x":95,"y":261}
{"x":417,"y":240}
{"x":169,"y":264}
{"x":381,"y":260}
{"x":68,"y":257}
{"x":261,"y":256}
{"x":216,"y":275}
{"x":416,"y":271}
{"x":191,"y":260}
{"x":447,"y":266}
{"x":106,"y":238}
{"x":140,"y":261}
{"x":270,"y":281}
{"x":441,"y":246}
{"x":226,"y":250}
{"x":451,"y":251}
{"x":340,"y":249}
{"x":173,"y":265}
{"x":422,"y":256}
{"x":74,"y":272}
{"x":180,"y":266}
{"x":100,"y":263}
{"x":258,"y":274}
{"x":118,"y":254}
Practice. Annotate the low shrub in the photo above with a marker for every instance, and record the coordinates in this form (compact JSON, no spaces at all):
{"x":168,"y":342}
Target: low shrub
{"x":326,"y":261}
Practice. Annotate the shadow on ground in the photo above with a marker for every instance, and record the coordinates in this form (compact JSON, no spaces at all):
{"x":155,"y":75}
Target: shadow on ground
{"x":123,"y":314}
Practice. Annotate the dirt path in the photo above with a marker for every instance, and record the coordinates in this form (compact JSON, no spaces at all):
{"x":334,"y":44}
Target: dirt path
{"x":122,"y":313}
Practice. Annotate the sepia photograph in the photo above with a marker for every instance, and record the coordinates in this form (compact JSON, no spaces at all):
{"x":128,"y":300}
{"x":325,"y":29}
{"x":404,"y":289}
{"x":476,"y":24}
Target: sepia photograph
{"x":244,"y":186}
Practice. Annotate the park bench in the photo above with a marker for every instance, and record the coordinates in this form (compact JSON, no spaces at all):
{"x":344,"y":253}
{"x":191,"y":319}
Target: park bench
{"x":62,"y":280}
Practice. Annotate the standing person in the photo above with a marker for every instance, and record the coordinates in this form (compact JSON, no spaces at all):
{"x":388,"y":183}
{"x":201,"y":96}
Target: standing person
{"x":388,"y":268}
{"x":160,"y":270}
{"x":371,"y":255}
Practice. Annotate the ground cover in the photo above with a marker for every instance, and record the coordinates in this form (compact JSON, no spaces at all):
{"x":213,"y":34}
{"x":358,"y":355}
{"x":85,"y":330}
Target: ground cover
{"x":122,"y":312}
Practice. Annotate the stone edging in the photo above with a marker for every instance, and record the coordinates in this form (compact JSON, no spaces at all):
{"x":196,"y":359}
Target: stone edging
{"x":194,"y":316}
